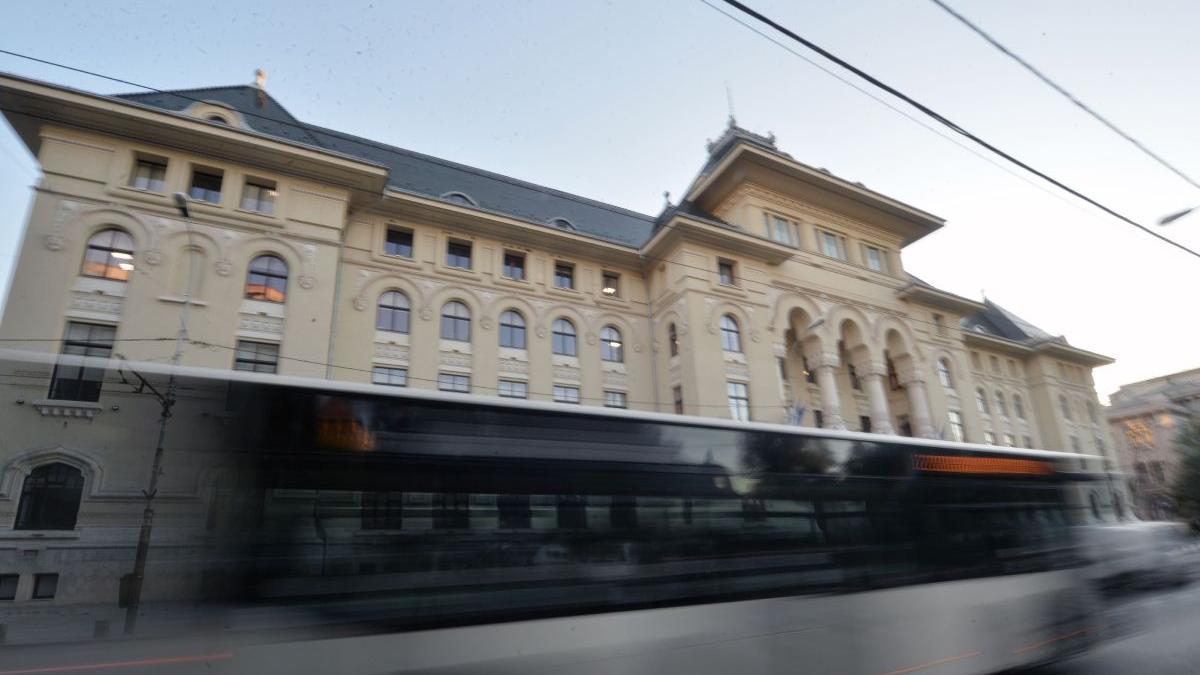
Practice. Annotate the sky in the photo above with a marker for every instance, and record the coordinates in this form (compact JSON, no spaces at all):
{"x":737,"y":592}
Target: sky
{"x":615,"y":101}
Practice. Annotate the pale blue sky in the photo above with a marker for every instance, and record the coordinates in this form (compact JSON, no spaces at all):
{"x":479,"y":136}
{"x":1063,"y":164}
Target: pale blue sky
{"x":614,"y":101}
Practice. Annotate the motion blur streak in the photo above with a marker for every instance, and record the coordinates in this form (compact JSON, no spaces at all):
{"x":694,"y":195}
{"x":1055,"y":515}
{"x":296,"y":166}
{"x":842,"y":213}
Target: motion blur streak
{"x":140,"y":663}
{"x":923,"y":666}
{"x":1043,"y":643}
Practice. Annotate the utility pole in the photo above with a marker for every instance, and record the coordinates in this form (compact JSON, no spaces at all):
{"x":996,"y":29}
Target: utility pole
{"x":166,"y":402}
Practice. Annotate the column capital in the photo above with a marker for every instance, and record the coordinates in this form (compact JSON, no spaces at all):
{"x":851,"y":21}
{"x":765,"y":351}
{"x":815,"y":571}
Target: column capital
{"x":824,"y":360}
{"x":910,"y":374}
{"x":869,"y":367}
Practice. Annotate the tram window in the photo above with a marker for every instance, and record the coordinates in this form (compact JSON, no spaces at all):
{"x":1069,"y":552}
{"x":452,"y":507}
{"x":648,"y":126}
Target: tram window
{"x":382,"y":510}
{"x":451,"y":511}
{"x":623,"y":512}
{"x":515,"y":513}
{"x":754,"y":510}
{"x":572,"y":512}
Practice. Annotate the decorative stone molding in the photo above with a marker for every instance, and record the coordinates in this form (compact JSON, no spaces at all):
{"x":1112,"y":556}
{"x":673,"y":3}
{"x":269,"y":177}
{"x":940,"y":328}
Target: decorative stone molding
{"x":486,"y":323}
{"x":359,"y":303}
{"x":426,"y":314}
{"x":911,"y":375}
{"x":590,"y":338}
{"x":52,"y":408}
{"x":153,"y":257}
{"x":616,"y":379}
{"x":271,"y":325}
{"x":454,"y":359}
{"x":540,"y":331}
{"x":307,"y":281}
{"x":566,"y":373}
{"x":737,"y":370}
{"x":93,"y":303}
{"x":55,"y":242}
{"x":513,"y":366}
{"x":224,"y":267}
{"x":825,"y":359}
{"x":391,"y":351}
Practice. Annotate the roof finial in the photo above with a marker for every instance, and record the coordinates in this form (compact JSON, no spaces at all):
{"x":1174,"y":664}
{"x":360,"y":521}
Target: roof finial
{"x":729,"y":100}
{"x":667,"y":198}
{"x":260,"y":78}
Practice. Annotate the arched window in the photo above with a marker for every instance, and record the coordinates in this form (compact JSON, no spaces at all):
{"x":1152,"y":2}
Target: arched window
{"x":1001,"y":404}
{"x":981,"y":401}
{"x":393,"y":312}
{"x":943,"y":372}
{"x":50,"y":498}
{"x":512,"y":330}
{"x":564,"y":337}
{"x":1066,"y":408}
{"x":731,"y":336}
{"x":456,"y":321}
{"x":611,"y":347}
{"x":672,"y":339}
{"x":109,"y":255}
{"x":1018,"y":407}
{"x":267,"y":279}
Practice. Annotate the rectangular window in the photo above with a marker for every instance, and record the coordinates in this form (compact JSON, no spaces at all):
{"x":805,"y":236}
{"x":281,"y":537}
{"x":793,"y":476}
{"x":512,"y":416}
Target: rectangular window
{"x":1028,"y":441}
{"x":259,"y":195}
{"x":45,"y":586}
{"x":392,"y":377}
{"x":206,"y":185}
{"x":832,"y":245}
{"x":989,"y":438}
{"x":399,"y":242}
{"x":939,"y":324}
{"x":819,"y":419}
{"x":572,"y":511}
{"x":564,"y":275}
{"x":615,"y":399}
{"x":514,"y":510}
{"x":864,"y":423}
{"x":149,"y":173}
{"x":256,"y":357}
{"x":454,"y":382}
{"x":458,"y":254}
{"x":956,"y":426}
{"x":564,"y":394}
{"x":513,"y":389}
{"x":382,"y":510}
{"x":514,"y":265}
{"x":451,"y":511}
{"x":8,"y":586}
{"x":611,"y":285}
{"x":995,"y":364}
{"x":1010,"y":440}
{"x":77,"y":381}
{"x":725,"y":272}
{"x":780,"y":229}
{"x":876,"y":259}
{"x":677,"y":395}
{"x":739,"y":401}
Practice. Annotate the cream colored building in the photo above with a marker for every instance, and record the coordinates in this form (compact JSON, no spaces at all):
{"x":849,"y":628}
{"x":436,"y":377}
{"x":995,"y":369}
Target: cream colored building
{"x":1145,"y":418}
{"x":772,"y":291}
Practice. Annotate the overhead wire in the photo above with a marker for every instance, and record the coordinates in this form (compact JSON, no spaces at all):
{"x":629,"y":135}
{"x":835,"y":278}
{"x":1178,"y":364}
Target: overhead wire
{"x":953,"y":126}
{"x":1066,"y":94}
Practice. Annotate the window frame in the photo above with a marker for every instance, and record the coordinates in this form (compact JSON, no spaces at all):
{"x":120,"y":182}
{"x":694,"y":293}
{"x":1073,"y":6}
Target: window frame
{"x":89,"y":345}
{"x":457,"y":383}
{"x":118,"y":262}
{"x":883,"y":267}
{"x":459,"y":324}
{"x":511,"y":391}
{"x":944,"y":373}
{"x":839,"y":241}
{"x":400,"y":245}
{"x":738,"y":397}
{"x":203,"y":194}
{"x":981,"y":401}
{"x":958,"y":432}
{"x":616,"y":399}
{"x":608,"y":352}
{"x":388,"y":374}
{"x":267,"y":275}
{"x":731,"y":336}
{"x":271,"y":349}
{"x":510,"y":271}
{"x":39,"y":591}
{"x":672,"y":339}
{"x":512,"y":331}
{"x":154,"y":161}
{"x":392,"y":311}
{"x":726,"y":272}
{"x":564,"y":275}
{"x":605,"y":277}
{"x":560,"y":339}
{"x":49,"y":494}
{"x":566,"y":393}
{"x":260,"y":204}
{"x":454,"y":258}
{"x":774,"y":221}
{"x":677,"y":397}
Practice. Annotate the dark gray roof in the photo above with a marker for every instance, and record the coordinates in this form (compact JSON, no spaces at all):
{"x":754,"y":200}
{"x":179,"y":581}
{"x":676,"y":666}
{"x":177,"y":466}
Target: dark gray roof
{"x":419,"y":173}
{"x":999,"y":322}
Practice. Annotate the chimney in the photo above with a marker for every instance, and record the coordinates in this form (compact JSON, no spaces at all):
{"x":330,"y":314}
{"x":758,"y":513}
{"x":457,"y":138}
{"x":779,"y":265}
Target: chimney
{"x":260,"y":83}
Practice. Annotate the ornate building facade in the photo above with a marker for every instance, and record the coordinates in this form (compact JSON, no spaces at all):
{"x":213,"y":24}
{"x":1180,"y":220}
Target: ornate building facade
{"x":1145,"y":418}
{"x":773,"y":291}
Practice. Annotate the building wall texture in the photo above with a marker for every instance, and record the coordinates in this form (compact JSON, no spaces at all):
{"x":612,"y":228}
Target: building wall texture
{"x":771,"y":290}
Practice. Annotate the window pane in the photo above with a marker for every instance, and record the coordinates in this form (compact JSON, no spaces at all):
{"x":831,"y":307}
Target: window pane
{"x":456,"y":322}
{"x":513,"y":389}
{"x":563,"y":339}
{"x":612,"y":285}
{"x":79,"y":382}
{"x":454,"y":382}
{"x":206,"y":186}
{"x":611,"y":347}
{"x":267,"y":279}
{"x":615,"y":399}
{"x":50,"y":498}
{"x":256,"y":357}
{"x":393,"y":377}
{"x":393,"y":312}
{"x":739,"y":401}
{"x":399,"y":242}
{"x":109,"y":255}
{"x":259,"y":196}
{"x":45,"y":586}
{"x":564,"y":394}
{"x":458,"y":254}
{"x":512,"y":330}
{"x":149,"y":174}
{"x":564,"y":275}
{"x":514,"y":266}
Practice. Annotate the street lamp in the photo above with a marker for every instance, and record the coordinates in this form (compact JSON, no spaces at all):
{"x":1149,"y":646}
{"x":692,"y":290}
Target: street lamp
{"x":1172,"y":217}
{"x":166,"y":402}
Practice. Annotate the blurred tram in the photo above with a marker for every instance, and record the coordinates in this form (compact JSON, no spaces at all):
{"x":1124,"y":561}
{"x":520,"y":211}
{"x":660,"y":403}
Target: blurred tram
{"x":362,"y":528}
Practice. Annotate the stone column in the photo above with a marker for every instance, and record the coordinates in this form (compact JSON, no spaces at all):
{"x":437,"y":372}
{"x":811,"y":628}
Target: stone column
{"x":918,"y":402}
{"x":825,"y":364}
{"x":871,"y":373}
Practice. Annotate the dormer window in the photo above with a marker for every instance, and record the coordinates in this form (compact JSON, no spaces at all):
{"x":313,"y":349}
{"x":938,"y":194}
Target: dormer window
{"x":562,"y":224}
{"x":217,"y":119}
{"x":459,"y":198}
